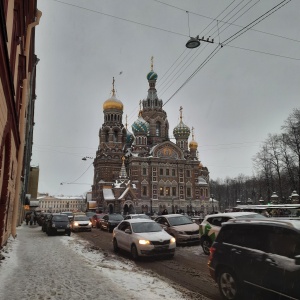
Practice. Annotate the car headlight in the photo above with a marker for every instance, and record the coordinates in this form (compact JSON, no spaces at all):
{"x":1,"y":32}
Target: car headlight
{"x":172,"y":240}
{"x":76,"y":224}
{"x":144,"y":242}
{"x":90,"y":223}
{"x":53,"y":225}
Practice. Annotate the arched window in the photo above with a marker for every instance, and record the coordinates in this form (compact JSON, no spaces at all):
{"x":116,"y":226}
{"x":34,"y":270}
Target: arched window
{"x":106,"y":137}
{"x":158,"y":129}
{"x":115,"y":136}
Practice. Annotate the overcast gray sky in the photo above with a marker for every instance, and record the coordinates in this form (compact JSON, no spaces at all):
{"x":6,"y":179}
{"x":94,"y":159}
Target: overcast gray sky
{"x":243,"y":93}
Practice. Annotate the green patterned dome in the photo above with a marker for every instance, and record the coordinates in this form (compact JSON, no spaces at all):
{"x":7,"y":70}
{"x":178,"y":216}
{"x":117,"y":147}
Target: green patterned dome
{"x":181,"y":131}
{"x":140,"y":126}
{"x":152,"y":75}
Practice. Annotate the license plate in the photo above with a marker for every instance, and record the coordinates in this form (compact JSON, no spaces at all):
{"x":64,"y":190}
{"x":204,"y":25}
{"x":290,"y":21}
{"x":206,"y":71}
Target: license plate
{"x":60,"y":230}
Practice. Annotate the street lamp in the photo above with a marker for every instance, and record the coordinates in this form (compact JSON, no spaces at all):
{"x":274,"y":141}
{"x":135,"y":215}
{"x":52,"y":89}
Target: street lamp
{"x":195,"y":42}
{"x":87,"y":157}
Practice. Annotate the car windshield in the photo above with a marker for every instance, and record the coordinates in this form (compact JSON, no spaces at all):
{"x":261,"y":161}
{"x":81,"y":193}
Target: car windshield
{"x":252,"y":216}
{"x":81,"y":218}
{"x":60,"y":218}
{"x":146,"y":227}
{"x":116,"y":217}
{"x":180,"y":220}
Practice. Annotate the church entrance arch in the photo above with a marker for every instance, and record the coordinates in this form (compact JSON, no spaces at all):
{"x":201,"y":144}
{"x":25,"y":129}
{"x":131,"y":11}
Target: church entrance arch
{"x":110,"y":208}
{"x":128,"y":207}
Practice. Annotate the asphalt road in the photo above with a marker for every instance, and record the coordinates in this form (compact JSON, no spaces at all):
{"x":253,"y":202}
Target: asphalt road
{"x":187,"y":269}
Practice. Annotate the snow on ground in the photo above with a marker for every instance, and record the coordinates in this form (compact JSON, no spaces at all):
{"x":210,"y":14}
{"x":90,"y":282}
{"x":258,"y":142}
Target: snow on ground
{"x":60,"y":267}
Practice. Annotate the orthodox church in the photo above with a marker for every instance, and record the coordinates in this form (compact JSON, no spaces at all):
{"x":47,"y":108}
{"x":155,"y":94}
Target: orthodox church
{"x":144,"y":171}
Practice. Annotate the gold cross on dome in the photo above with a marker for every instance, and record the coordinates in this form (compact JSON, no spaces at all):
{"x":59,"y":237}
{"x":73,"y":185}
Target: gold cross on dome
{"x":152,"y":63}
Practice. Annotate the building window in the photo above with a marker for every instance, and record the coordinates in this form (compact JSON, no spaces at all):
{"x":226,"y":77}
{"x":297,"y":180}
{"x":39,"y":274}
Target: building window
{"x":201,"y":192}
{"x":144,"y":171}
{"x":167,"y":191}
{"x":173,"y":191}
{"x":157,"y":129}
{"x":161,"y":171}
{"x":144,"y":191}
{"x":188,"y":192}
{"x":167,"y":172}
{"x":173,"y":172}
{"x":188,"y":173}
{"x":106,"y":137}
{"x":161,"y":191}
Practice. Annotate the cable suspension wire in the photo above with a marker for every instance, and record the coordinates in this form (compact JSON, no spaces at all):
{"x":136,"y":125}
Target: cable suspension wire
{"x":255,"y":22}
{"x":230,"y":39}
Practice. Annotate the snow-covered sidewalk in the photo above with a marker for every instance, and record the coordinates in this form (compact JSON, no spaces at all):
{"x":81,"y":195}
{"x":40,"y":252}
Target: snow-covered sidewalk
{"x":60,"y":267}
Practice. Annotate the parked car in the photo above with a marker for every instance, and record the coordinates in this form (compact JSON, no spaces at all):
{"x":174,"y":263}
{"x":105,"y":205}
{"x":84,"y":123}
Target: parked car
{"x":80,"y":222}
{"x":211,"y":225}
{"x":96,"y":220}
{"x":257,"y":257}
{"x":143,"y":237}
{"x":181,"y":227}
{"x":110,"y":221}
{"x":58,"y":224}
{"x":137,"y":216}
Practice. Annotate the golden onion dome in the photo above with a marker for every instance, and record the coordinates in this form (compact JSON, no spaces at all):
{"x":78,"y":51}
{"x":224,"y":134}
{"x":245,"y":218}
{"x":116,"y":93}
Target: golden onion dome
{"x":193,"y":145}
{"x":113,"y":103}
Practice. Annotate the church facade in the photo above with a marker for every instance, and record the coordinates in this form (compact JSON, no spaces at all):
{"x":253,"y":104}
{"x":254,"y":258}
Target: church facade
{"x":144,"y":171}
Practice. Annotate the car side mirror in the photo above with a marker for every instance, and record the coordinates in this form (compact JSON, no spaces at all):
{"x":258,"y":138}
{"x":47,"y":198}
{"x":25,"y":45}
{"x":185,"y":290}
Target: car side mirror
{"x":128,"y":231}
{"x":297,"y":260}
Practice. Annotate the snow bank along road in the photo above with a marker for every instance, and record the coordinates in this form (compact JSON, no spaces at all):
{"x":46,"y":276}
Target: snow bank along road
{"x":60,"y":267}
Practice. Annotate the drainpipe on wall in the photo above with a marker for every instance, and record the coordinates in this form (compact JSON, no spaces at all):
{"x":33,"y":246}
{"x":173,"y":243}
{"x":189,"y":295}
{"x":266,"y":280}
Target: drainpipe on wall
{"x":23,"y":125}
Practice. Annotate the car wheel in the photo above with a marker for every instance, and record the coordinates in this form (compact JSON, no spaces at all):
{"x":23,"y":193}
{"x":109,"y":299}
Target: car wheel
{"x":115,"y":245}
{"x":69,"y":233}
{"x":206,"y":244}
{"x":170,"y":256}
{"x":109,"y":229}
{"x":228,"y":285}
{"x":134,"y":252}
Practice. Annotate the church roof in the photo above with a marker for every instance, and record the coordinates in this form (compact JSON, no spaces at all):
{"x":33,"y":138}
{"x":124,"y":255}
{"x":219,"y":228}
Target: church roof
{"x":108,"y":194}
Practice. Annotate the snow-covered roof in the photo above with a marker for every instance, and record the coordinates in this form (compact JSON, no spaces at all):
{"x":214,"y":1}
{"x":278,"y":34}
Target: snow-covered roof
{"x":108,"y":194}
{"x":124,"y":193}
{"x":201,"y":181}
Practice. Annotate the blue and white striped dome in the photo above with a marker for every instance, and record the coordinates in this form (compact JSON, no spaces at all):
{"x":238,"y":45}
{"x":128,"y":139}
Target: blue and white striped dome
{"x":140,"y":126}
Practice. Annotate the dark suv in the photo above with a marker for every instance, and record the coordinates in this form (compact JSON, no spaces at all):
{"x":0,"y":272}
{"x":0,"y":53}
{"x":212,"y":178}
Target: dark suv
{"x":257,"y":258}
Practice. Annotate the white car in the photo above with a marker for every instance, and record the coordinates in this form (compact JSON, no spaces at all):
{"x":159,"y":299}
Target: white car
{"x":143,"y":237}
{"x":211,"y":226}
{"x":81,"y":223}
{"x":137,"y":216}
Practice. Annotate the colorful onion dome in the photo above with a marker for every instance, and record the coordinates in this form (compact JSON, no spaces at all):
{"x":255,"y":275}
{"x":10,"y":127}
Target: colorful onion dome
{"x":152,"y":75}
{"x":113,"y":102}
{"x":181,"y":131}
{"x":140,"y":126}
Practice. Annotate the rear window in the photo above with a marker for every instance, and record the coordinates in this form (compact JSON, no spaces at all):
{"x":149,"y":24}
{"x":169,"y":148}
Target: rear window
{"x":116,"y":217}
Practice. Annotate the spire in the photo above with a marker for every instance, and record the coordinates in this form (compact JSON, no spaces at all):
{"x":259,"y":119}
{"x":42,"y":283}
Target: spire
{"x":140,"y":104}
{"x":123,"y":173}
{"x":113,"y":89}
{"x":126,"y":122}
{"x":180,"y":110}
{"x":193,"y":133}
{"x":152,"y":63}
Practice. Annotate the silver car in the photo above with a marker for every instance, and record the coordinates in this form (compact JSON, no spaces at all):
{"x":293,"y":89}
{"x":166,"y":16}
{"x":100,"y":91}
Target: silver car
{"x":181,"y":227}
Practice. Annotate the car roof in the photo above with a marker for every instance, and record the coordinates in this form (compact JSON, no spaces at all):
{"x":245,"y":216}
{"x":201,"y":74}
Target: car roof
{"x":232,"y":214}
{"x":172,"y":215}
{"x":268,"y":221}
{"x":139,"y":221}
